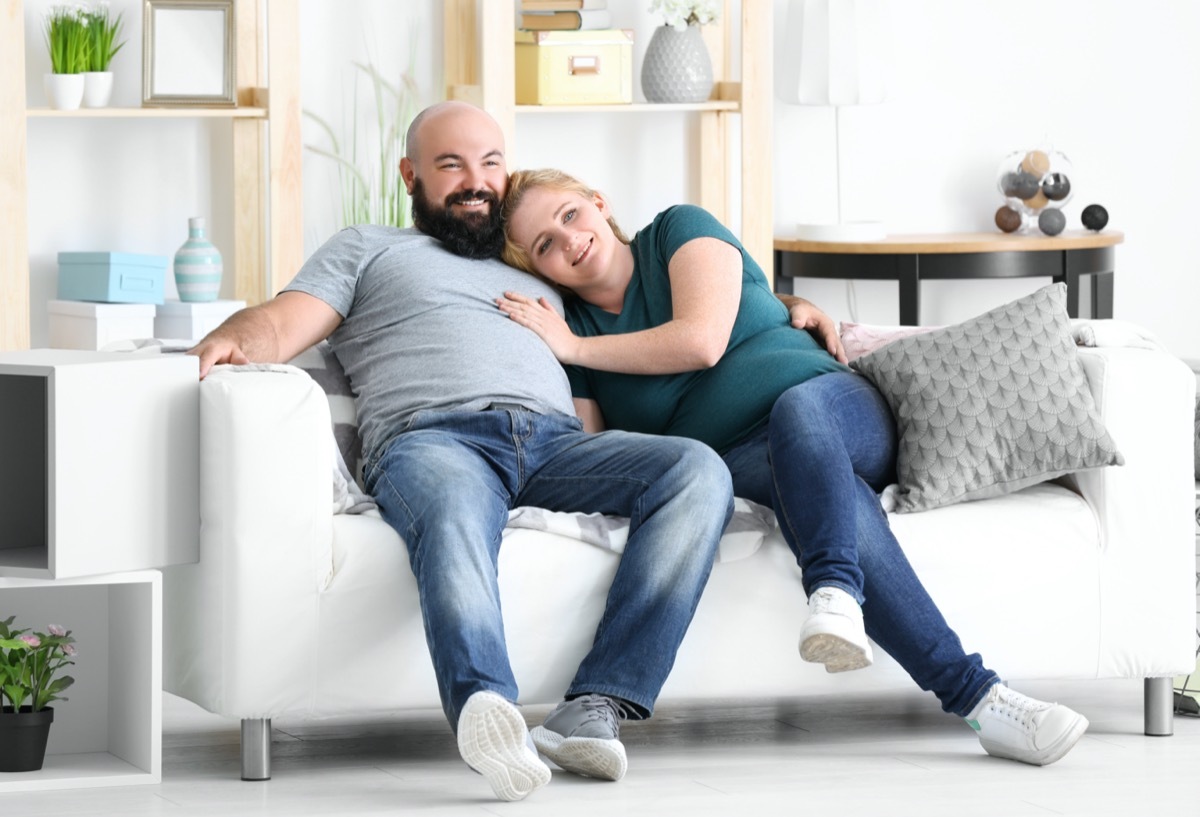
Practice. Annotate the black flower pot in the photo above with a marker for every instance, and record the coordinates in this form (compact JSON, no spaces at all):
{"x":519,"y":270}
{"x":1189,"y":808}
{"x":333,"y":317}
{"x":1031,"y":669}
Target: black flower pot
{"x":23,"y":738}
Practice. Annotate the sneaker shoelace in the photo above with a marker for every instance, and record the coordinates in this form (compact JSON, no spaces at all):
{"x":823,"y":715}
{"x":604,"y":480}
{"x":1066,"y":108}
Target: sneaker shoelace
{"x":601,"y":708}
{"x":823,"y":601}
{"x":1016,"y":707}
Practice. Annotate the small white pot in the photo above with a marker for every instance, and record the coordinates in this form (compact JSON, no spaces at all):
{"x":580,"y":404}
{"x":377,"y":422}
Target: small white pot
{"x":64,"y":92}
{"x":97,"y":88}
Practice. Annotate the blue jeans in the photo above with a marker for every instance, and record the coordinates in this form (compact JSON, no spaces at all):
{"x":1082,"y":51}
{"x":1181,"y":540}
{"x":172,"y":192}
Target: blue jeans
{"x":828,"y":448}
{"x":447,"y":483}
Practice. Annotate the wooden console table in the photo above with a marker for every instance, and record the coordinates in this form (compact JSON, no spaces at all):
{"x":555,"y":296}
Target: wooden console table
{"x":910,"y":259}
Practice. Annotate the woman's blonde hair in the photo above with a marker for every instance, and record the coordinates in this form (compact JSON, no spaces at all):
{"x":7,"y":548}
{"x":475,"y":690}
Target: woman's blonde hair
{"x":521,"y":182}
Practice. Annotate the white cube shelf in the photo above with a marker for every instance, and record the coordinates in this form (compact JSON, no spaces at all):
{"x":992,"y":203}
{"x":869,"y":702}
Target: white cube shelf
{"x":88,"y":325}
{"x":109,"y":732}
{"x":100,"y":464}
{"x":191,"y":320}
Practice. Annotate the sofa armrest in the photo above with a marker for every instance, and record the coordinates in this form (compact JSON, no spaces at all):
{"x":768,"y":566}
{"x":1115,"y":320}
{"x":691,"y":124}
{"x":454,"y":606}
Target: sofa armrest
{"x":249,"y":606}
{"x":1146,"y":398}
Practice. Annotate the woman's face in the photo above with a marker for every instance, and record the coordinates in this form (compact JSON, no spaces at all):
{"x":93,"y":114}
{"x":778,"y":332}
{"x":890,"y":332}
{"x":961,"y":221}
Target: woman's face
{"x":566,"y":235}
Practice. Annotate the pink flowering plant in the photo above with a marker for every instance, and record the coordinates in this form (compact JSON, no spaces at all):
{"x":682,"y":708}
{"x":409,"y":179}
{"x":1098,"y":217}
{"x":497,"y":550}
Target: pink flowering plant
{"x":30,"y":664}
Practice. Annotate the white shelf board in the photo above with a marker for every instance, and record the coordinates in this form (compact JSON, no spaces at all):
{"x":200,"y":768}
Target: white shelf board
{"x":78,"y":771}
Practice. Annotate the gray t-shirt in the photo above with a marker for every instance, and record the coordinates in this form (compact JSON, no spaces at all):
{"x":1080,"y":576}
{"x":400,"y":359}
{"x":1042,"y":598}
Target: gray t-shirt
{"x":421,"y":330}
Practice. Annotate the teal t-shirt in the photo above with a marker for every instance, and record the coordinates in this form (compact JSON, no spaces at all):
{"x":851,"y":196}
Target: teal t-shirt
{"x":720,"y":405}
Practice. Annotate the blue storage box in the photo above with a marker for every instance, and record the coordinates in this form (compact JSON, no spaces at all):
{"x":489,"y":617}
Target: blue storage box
{"x":111,"y":277}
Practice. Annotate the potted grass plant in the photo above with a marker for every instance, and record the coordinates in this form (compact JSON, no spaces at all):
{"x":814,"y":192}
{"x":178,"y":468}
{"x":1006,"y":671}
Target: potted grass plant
{"x":30,"y":667}
{"x":66,"y":30}
{"x":104,"y":33}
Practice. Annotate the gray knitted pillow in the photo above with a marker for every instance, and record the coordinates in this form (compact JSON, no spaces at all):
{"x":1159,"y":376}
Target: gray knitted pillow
{"x":990,"y":405}
{"x":1198,"y":437}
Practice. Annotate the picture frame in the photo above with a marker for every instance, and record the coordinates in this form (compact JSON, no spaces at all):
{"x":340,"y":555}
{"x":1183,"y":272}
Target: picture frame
{"x":188,"y":55}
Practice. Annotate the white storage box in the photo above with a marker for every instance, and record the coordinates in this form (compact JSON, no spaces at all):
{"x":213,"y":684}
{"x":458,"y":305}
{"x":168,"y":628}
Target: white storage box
{"x":192,"y":320}
{"x":87,"y":325}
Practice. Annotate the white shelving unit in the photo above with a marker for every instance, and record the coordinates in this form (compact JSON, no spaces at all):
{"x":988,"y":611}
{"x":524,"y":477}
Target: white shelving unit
{"x":109,"y":732}
{"x":99,"y":483}
{"x":100,"y":464}
{"x":266,"y":161}
{"x":479,"y":67}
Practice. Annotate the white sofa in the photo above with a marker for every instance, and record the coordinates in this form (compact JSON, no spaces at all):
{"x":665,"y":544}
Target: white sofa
{"x":1090,"y":577}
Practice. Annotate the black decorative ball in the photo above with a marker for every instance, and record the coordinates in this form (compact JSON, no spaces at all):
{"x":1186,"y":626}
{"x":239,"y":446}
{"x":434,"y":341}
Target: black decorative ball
{"x":1008,"y":219}
{"x":1056,"y":186}
{"x":1094,"y":217}
{"x":1051,"y":221}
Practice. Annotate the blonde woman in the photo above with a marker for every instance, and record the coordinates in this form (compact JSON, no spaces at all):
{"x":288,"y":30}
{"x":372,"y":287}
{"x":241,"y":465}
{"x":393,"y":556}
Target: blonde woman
{"x":676,"y":332}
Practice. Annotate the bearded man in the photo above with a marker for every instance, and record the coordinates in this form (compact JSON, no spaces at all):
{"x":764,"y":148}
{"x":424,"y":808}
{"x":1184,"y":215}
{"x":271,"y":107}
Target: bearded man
{"x":464,"y":415}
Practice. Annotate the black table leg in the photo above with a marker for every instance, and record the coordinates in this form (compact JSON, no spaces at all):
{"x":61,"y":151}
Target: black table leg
{"x":909,"y":276}
{"x":1102,"y":295}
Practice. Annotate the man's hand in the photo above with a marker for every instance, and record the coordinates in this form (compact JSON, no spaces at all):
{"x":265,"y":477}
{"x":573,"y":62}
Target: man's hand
{"x":215,"y":349}
{"x":805,"y":315}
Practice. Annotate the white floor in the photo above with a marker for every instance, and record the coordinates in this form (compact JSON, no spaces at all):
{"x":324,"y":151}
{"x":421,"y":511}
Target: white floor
{"x":891,"y":755}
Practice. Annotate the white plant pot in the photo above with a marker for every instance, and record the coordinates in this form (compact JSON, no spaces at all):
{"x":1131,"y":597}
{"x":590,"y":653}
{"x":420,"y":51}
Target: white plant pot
{"x":97,"y":88}
{"x":64,"y":92}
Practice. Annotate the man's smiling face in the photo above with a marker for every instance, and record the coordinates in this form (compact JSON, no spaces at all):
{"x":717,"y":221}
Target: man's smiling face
{"x":456,"y":174}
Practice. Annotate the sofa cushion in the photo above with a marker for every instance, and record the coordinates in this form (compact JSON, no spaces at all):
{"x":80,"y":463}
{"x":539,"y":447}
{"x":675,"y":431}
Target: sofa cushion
{"x":990,"y":405}
{"x":860,"y":339}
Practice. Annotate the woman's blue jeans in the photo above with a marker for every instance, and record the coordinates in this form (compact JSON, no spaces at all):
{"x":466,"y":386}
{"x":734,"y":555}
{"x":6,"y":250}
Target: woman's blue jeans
{"x":828,"y":448}
{"x":447,"y":483}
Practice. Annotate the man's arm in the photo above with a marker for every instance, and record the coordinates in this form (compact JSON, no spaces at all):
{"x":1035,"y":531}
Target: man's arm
{"x":273,"y":332}
{"x":805,"y":315}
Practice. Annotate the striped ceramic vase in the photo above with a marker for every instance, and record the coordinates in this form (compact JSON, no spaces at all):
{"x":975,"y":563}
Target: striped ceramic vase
{"x":197,"y":266}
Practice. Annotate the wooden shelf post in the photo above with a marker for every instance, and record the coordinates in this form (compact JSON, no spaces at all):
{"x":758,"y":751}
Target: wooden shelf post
{"x":14,"y":249}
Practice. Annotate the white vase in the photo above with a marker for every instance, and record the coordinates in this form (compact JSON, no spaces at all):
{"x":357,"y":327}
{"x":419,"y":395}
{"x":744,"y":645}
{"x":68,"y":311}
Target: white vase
{"x":97,"y":88}
{"x":64,"y":92}
{"x":677,"y":67}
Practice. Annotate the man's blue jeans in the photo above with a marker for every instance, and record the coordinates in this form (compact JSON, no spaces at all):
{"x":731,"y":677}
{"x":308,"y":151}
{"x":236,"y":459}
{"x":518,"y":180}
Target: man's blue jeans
{"x":447,"y":483}
{"x":829,"y":447}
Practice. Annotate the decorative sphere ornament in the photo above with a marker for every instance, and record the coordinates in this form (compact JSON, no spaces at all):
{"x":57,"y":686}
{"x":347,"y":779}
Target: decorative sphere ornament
{"x":1051,"y":221}
{"x":1037,"y":201}
{"x":1094,"y":217}
{"x":1019,"y":185}
{"x":1056,"y":186}
{"x":1032,"y":182}
{"x":1036,"y":162}
{"x":1008,"y":219}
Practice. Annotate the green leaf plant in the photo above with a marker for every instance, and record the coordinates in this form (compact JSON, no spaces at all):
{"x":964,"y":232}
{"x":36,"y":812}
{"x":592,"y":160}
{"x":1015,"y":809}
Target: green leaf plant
{"x":68,"y":39}
{"x":370,"y":186}
{"x":30,"y":664}
{"x":104,"y":31}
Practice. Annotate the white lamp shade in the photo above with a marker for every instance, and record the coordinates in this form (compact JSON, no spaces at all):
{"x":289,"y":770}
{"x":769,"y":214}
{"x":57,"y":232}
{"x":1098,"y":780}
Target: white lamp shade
{"x":834,"y":53}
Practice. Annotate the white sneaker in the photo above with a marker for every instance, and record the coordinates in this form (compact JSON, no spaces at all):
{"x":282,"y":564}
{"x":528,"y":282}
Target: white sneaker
{"x":833,"y":633}
{"x":493,"y":740}
{"x":1017,"y":727}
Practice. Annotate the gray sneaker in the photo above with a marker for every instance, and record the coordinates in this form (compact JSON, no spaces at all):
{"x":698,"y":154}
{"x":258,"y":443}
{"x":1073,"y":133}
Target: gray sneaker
{"x":581,"y":736}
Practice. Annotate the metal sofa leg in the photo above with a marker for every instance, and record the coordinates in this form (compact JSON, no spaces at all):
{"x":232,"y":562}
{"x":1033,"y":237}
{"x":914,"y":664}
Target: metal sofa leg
{"x":1159,"y":707}
{"x":256,"y":748}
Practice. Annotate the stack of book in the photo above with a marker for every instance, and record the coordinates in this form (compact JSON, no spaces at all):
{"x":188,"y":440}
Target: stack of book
{"x":564,"y":15}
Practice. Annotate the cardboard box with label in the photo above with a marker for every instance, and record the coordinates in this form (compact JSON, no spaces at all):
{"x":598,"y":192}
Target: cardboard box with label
{"x":574,"y":67}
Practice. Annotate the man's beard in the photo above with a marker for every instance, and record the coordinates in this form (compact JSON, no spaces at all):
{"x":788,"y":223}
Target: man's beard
{"x":473,"y":235}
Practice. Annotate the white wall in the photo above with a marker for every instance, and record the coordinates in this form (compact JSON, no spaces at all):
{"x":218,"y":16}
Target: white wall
{"x":1110,"y":83}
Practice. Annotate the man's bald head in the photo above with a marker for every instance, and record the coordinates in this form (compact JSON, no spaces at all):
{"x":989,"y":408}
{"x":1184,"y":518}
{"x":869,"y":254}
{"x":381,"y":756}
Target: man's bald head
{"x":428,"y":124}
